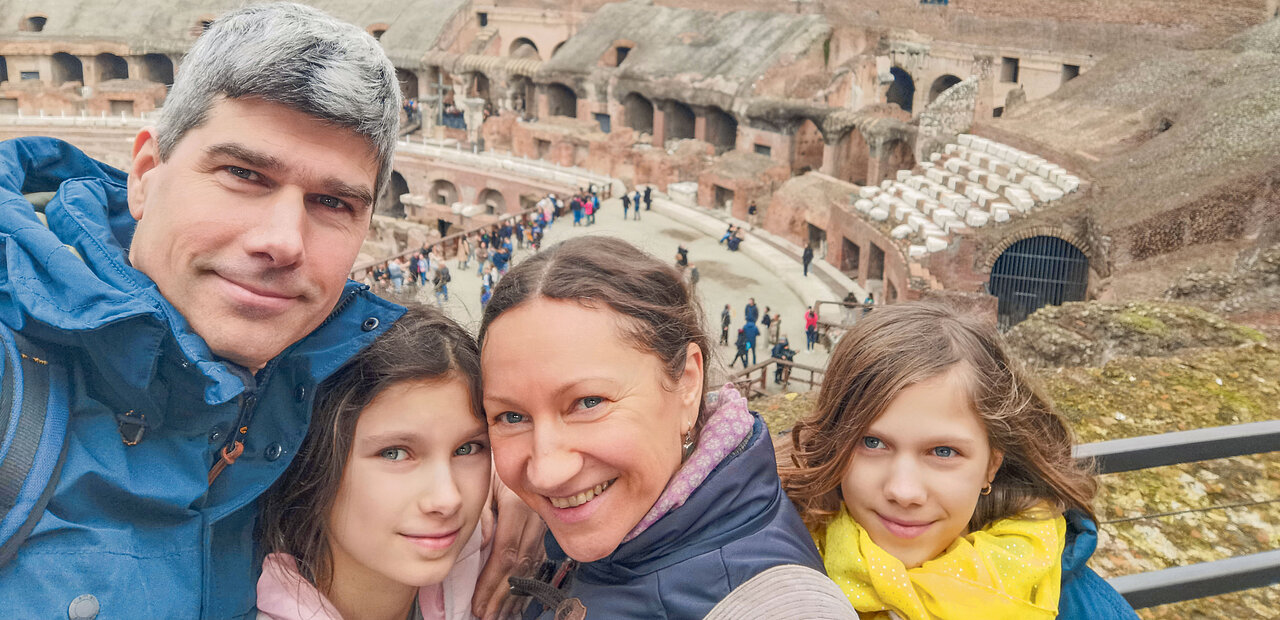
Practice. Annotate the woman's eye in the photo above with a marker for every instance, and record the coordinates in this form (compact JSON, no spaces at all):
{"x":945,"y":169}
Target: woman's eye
{"x":944,"y":452}
{"x":394,"y":454}
{"x":471,"y":447}
{"x":871,"y":443}
{"x":591,"y":401}
{"x":510,"y":417}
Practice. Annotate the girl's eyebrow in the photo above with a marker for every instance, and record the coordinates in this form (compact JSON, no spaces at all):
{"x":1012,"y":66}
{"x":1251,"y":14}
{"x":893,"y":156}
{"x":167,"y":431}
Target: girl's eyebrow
{"x":932,"y":440}
{"x":391,"y":438}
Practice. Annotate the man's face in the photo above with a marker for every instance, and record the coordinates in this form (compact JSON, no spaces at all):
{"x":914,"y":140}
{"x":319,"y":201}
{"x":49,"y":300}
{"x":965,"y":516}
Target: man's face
{"x":250,"y":227}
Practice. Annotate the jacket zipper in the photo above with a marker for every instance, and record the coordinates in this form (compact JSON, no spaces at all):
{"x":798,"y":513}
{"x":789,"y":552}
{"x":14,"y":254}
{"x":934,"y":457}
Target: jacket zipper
{"x":234,"y":446}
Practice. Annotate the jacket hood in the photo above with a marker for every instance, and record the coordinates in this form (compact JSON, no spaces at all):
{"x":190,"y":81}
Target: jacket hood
{"x":730,"y":504}
{"x":67,"y":278}
{"x":1082,"y":541}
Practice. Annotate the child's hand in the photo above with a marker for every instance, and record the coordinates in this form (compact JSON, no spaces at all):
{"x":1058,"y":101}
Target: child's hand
{"x":516,"y":532}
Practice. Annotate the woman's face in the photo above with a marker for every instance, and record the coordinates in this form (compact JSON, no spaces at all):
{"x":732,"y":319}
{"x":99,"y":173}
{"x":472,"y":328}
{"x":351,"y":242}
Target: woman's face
{"x":415,"y":482}
{"x":586,"y":428}
{"x":916,"y":474}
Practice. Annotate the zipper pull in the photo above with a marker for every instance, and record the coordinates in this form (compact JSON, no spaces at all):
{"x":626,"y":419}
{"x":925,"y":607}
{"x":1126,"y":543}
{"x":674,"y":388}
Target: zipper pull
{"x":227,"y":458}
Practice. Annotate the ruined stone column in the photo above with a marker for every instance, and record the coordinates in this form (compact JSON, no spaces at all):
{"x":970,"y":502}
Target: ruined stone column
{"x":473,"y":115}
{"x":429,"y":108}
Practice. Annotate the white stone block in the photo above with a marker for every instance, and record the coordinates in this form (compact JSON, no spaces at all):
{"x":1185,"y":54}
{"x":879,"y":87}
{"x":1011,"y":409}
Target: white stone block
{"x":863,"y":205}
{"x":964,"y":139}
{"x":924,"y":165}
{"x":933,"y":174}
{"x":928,"y":205}
{"x":934,"y":244}
{"x":1000,"y":211}
{"x":935,"y":157}
{"x":953,"y":165}
{"x":916,"y":251}
{"x":1022,"y":160}
{"x":985,"y":197}
{"x":994,"y":183}
{"x":901,"y":231}
{"x":930,"y":229}
{"x":954,"y":181}
{"x":868,"y":192}
{"x":954,"y":226}
{"x":950,"y":148}
{"x":900,"y":212}
{"x":976,"y":218}
{"x":886,"y":184}
{"x":879,"y":214}
{"x":1050,"y":194}
{"x":975,"y":176}
{"x":1044,"y":169}
{"x":944,"y":215}
{"x":1069,"y":184}
{"x":1016,"y":175}
{"x":903,"y":175}
{"x":974,"y":158}
{"x":915,"y":221}
{"x":963,"y":206}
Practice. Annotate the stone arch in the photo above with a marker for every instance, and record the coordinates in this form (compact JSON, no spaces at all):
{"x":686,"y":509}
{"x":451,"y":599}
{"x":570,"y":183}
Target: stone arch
{"x":679,"y":120}
{"x":443,"y":192}
{"x":524,"y":48}
{"x":493,"y":201}
{"x":1036,"y":271}
{"x":638,"y":112}
{"x":722,"y":129}
{"x":941,"y":84}
{"x":159,"y":68}
{"x":852,"y":157}
{"x":808,"y":148}
{"x":67,"y":68}
{"x":111,"y":67}
{"x":1038,"y":230}
{"x":408,"y":83}
{"x":898,"y":155}
{"x":561,"y":100}
{"x":555,"y":50}
{"x":389,"y":203}
{"x":377,"y":30}
{"x":33,"y":22}
{"x":903,"y":89}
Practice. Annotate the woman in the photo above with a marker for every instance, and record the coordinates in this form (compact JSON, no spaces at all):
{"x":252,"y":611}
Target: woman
{"x":660,"y":499}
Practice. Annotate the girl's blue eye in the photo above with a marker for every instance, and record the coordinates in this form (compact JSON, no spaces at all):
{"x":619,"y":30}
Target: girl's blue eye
{"x":394,"y":454}
{"x":510,"y":417}
{"x":944,"y":452}
{"x":871,"y":442}
{"x":471,"y":447}
{"x":591,"y":401}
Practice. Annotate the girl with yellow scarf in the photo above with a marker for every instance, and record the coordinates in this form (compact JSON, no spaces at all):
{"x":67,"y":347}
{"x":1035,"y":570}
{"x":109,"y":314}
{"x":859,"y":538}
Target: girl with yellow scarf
{"x":935,"y":478}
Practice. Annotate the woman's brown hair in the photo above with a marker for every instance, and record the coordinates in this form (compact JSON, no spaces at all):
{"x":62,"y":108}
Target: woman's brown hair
{"x":424,"y":344}
{"x":663,"y":315}
{"x":895,"y":347}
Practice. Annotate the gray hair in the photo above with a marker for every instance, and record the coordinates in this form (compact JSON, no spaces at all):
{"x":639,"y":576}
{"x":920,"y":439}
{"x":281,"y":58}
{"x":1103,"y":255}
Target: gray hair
{"x":296,"y":56}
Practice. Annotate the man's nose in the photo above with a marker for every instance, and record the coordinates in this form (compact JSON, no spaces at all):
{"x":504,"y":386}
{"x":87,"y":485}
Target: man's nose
{"x":276,"y":235}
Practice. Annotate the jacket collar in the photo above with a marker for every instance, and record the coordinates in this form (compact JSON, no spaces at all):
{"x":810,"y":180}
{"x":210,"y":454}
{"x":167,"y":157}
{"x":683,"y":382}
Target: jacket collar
{"x":70,"y":283}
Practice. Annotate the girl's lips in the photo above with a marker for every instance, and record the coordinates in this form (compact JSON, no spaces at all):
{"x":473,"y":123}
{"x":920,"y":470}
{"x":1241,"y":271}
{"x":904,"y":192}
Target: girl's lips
{"x":433,"y":542}
{"x":904,"y":529}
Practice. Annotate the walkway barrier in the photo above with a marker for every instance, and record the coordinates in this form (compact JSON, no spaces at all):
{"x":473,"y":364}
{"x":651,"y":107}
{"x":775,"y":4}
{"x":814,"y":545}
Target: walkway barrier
{"x":747,"y":383}
{"x":444,"y":244}
{"x":1183,"y":583}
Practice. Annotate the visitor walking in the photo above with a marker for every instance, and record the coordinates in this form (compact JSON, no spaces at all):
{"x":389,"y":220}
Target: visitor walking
{"x":750,"y":331}
{"x":626,"y":205}
{"x":752,"y":312}
{"x":810,"y":328}
{"x":726,"y":319}
{"x":648,"y":198}
{"x":807,"y":258}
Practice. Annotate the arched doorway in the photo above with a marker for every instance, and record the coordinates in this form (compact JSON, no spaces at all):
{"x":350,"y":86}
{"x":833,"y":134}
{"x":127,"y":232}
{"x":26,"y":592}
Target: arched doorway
{"x":561,"y":100}
{"x":443,"y":192}
{"x":1035,"y":272}
{"x":680,"y":120}
{"x":493,"y":200}
{"x":389,"y":203}
{"x":722,"y":130}
{"x":159,"y":68}
{"x":523,"y":48}
{"x":111,"y":67}
{"x":941,"y":84}
{"x":67,"y":68}
{"x":408,"y":83}
{"x":903,"y":90}
{"x":853,"y":157}
{"x":639,"y":112}
{"x":808,"y":148}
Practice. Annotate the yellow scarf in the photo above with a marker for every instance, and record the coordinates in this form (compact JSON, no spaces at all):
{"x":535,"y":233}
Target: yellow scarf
{"x":1011,"y":569}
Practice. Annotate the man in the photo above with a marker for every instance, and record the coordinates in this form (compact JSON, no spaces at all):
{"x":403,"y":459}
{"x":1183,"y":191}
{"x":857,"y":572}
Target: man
{"x":782,"y":351}
{"x":203,"y":298}
{"x":750,"y":332}
{"x":440,"y":282}
{"x":726,"y":318}
{"x":752,"y":312}
{"x":648,"y":198}
{"x":807,"y":258}
{"x":626,"y":206}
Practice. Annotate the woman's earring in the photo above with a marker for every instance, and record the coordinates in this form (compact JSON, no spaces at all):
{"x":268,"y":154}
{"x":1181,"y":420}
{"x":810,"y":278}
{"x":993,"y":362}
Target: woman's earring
{"x":688,"y":443}
{"x":987,"y":489}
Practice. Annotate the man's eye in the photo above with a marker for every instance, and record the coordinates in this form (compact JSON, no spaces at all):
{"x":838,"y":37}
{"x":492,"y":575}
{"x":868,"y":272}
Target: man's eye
{"x":944,"y":452}
{"x":871,"y":443}
{"x":331,"y":202}
{"x":243,"y":173}
{"x":590,"y":401}
{"x":510,"y":417}
{"x":394,"y":454}
{"x":471,"y":447}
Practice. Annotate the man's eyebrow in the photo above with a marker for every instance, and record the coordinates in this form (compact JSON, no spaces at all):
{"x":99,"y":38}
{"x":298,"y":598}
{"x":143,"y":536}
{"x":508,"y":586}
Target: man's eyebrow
{"x":245,"y":154}
{"x":265,"y":162}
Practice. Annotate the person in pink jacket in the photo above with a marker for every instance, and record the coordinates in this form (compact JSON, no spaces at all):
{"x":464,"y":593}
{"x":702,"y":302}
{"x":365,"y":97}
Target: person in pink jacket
{"x":376,"y":515}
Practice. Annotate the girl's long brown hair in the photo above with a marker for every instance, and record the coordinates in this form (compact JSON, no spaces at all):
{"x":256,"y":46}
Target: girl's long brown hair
{"x":895,"y":347}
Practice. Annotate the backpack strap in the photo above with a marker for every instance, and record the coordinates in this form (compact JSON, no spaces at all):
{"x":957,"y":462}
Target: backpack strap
{"x":33,"y":446}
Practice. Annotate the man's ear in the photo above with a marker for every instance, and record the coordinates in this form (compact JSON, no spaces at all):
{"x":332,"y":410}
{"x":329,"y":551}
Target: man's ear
{"x":146,"y":156}
{"x":690,"y":385}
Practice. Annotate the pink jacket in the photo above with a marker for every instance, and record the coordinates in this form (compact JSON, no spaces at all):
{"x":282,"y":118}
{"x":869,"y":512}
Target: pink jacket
{"x":284,"y":595}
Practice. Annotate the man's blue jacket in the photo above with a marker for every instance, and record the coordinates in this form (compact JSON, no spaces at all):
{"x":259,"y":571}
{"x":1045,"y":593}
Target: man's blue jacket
{"x":139,"y":527}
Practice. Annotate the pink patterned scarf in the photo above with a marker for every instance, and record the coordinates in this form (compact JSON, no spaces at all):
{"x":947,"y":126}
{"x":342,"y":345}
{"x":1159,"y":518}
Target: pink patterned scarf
{"x":728,"y":424}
